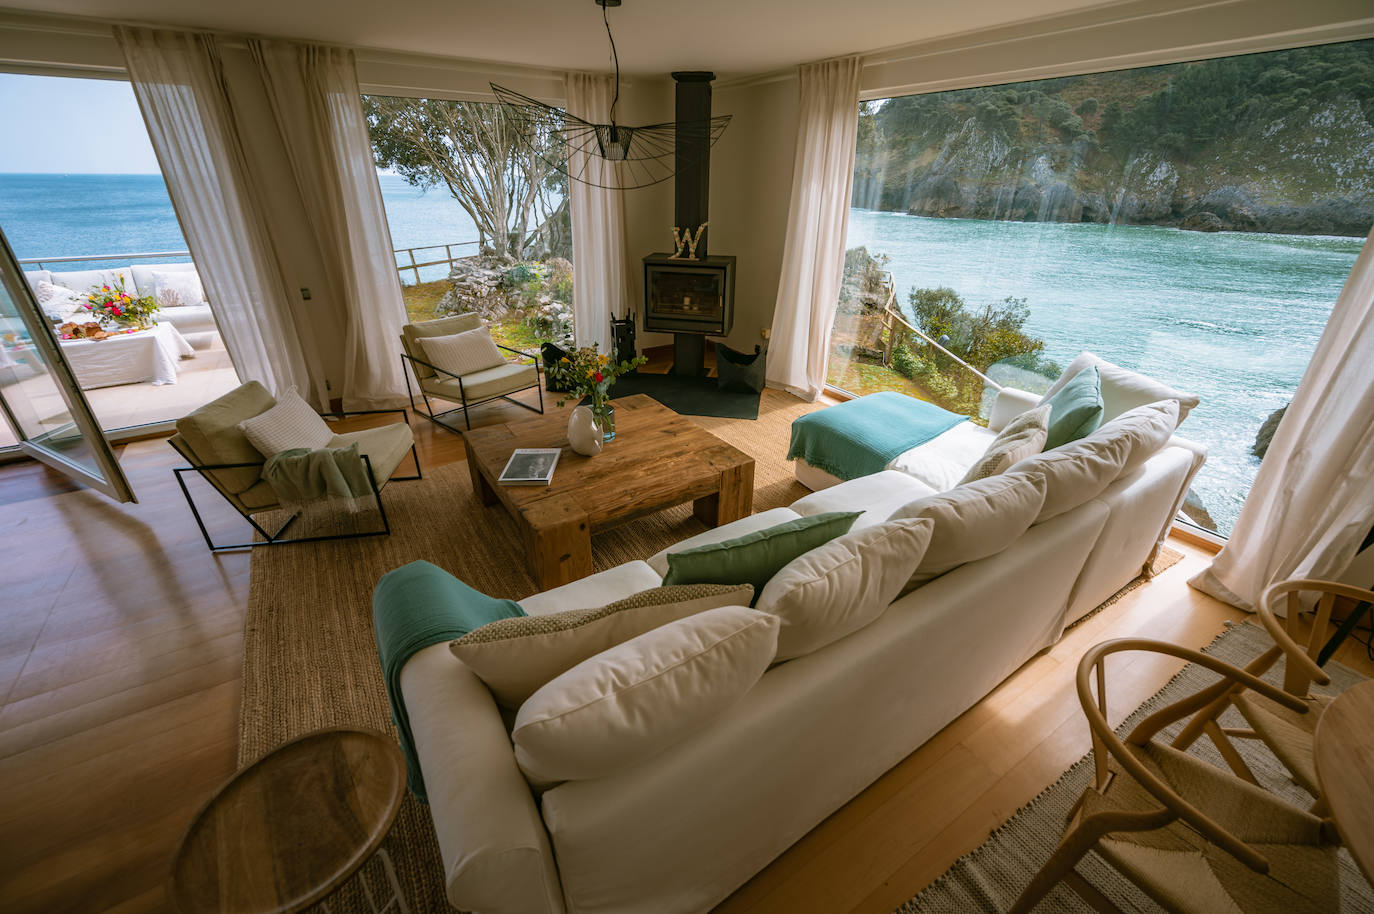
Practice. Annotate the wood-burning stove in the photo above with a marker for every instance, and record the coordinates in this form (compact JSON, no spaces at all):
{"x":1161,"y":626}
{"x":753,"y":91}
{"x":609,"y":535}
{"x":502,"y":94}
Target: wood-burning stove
{"x":689,"y":296}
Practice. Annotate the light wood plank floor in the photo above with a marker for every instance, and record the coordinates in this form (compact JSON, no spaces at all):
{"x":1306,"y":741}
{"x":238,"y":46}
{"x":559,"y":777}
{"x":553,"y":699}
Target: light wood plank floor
{"x":120,"y":659}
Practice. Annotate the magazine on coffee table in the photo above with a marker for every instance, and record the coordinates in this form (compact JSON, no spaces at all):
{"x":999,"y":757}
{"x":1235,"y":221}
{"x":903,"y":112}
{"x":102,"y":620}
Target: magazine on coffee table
{"x":530,"y":466}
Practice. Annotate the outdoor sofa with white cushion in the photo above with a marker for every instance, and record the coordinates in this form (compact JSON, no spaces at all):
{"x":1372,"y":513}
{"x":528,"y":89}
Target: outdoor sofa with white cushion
{"x":193,"y":320}
{"x":682,"y":830}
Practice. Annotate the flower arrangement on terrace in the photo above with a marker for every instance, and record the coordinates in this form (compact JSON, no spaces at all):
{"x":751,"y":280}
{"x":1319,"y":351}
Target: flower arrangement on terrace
{"x":586,"y":372}
{"x":114,"y":304}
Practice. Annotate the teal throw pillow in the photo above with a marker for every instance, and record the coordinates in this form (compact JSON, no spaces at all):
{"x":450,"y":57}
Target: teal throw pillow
{"x":756,"y":557}
{"x":1075,"y":409}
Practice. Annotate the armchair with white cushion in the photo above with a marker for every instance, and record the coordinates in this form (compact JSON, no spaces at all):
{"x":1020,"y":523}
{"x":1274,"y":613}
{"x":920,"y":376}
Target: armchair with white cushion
{"x":455,"y":359}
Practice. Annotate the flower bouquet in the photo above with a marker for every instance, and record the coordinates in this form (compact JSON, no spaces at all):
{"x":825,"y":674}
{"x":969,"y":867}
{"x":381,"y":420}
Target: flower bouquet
{"x":586,"y":372}
{"x":115,"y":305}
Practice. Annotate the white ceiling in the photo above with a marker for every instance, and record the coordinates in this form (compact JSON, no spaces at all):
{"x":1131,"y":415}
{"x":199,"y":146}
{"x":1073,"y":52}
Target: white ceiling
{"x":732,"y":37}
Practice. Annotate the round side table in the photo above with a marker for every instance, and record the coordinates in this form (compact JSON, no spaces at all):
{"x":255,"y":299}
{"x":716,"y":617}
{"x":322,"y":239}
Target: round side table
{"x":291,"y":828}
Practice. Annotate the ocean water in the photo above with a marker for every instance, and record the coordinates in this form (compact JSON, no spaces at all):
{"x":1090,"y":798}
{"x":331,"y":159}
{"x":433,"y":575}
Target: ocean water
{"x":75,"y":215}
{"x":1231,"y":317}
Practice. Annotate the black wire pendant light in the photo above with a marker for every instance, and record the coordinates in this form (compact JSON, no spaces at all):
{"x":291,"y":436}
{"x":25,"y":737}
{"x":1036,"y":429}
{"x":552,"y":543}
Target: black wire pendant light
{"x":609,"y":155}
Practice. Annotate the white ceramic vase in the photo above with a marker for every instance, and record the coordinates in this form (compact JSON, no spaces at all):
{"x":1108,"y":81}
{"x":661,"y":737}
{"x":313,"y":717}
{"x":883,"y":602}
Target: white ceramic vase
{"x":583,"y":433}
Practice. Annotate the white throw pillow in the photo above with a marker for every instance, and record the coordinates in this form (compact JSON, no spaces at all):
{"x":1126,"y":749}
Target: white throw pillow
{"x":631,"y":702}
{"x":516,"y":656}
{"x":1123,"y":389}
{"x":1022,"y":437}
{"x":836,"y":589}
{"x":463,"y":353}
{"x":974,"y":520}
{"x":291,"y":423}
{"x":178,"y":289}
{"x":61,"y":303}
{"x":1146,"y":429}
{"x":1077,"y":471}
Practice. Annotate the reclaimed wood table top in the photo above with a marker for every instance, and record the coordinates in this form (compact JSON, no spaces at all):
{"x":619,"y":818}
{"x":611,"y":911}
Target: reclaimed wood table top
{"x":1344,"y":753}
{"x":657,"y":459}
{"x":293,"y":826}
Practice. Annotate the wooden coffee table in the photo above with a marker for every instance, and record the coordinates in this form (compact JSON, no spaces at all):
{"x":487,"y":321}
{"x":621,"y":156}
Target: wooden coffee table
{"x":658,"y":459}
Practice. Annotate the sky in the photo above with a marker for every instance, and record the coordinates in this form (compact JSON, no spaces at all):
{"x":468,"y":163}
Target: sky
{"x":72,"y":126}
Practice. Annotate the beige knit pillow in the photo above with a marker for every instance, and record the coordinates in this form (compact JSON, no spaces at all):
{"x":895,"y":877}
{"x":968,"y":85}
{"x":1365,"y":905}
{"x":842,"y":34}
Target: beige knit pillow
{"x":1022,"y":437}
{"x":290,"y":424}
{"x":463,"y":353}
{"x":516,"y":656}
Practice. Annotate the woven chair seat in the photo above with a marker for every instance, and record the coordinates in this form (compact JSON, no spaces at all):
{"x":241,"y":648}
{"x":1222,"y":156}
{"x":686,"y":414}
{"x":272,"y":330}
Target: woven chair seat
{"x":1183,"y":871}
{"x":1287,"y":733}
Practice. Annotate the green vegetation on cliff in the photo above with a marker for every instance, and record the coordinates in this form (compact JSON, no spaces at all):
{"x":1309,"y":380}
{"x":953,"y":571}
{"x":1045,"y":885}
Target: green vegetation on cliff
{"x":1281,"y":141}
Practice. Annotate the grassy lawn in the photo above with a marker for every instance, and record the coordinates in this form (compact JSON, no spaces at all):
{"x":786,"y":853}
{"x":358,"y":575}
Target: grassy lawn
{"x":423,"y":298}
{"x":860,"y":376}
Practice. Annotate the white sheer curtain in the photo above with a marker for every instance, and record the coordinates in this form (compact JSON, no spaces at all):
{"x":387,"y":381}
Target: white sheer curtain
{"x":817,"y":221}
{"x":176,"y":77}
{"x":317,"y":105}
{"x":1313,"y":500}
{"x":600,"y":272}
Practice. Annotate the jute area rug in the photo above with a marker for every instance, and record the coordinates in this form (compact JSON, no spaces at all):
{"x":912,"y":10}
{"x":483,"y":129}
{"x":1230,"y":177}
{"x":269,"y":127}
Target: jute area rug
{"x":310,"y":660}
{"x":993,"y":876}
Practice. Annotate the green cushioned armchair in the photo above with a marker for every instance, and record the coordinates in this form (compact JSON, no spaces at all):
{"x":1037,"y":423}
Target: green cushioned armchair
{"x":467,"y":390}
{"x":220,"y":454}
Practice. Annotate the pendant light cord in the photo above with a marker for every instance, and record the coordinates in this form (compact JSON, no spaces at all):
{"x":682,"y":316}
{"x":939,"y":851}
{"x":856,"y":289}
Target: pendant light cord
{"x":616,"y":57}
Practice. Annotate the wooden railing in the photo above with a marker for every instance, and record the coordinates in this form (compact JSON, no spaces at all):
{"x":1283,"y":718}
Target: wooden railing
{"x":415,"y":266}
{"x":897,"y":326}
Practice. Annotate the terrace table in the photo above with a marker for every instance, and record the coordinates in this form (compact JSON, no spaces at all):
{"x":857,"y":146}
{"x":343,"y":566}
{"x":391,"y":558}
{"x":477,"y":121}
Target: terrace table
{"x":128,"y":358}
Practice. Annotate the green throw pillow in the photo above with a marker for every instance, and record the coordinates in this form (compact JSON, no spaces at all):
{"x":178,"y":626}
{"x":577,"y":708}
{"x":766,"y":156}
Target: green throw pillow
{"x":756,"y":557}
{"x":1075,"y":409}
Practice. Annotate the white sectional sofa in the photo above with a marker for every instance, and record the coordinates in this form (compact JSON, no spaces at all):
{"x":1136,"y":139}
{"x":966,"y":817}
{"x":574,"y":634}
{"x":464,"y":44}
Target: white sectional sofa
{"x":194,"y":321}
{"x":682,"y":830}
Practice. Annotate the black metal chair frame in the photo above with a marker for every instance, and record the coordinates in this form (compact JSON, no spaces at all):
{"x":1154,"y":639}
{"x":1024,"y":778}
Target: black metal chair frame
{"x":275,"y":539}
{"x":465,"y":403}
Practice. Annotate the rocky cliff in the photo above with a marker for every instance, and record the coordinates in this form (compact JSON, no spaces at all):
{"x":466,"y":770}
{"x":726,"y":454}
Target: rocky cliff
{"x":1199,"y":146}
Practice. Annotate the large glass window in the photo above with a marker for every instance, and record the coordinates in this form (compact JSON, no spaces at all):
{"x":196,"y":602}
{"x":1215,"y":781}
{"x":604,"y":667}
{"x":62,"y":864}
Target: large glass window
{"x":479,"y":221}
{"x":1194,"y":222}
{"x":86,"y":210}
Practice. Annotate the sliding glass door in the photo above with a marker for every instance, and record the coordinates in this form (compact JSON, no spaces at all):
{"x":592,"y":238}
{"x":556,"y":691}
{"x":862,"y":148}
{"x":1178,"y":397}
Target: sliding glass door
{"x":41,"y":401}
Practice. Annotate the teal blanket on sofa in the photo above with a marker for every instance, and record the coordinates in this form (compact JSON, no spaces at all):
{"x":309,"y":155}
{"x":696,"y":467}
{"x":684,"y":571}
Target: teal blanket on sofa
{"x":860,"y":437}
{"x":413,"y":607}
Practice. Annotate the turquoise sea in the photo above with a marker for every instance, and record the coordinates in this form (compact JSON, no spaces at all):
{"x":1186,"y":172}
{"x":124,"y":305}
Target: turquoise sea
{"x":1231,"y":317}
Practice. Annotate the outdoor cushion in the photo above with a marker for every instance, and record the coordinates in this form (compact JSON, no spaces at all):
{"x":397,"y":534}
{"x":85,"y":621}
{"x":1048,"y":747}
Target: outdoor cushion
{"x":84,"y":281}
{"x":385,"y":447}
{"x":877,"y":496}
{"x":761,"y":521}
{"x":1123,"y":389}
{"x":212,"y":432}
{"x":142,"y":274}
{"x":290,"y":423}
{"x":836,"y":589}
{"x":36,"y":276}
{"x":632,"y":701}
{"x":175,"y":289}
{"x":516,"y":656}
{"x":463,"y":353}
{"x":411,"y":334}
{"x":1075,"y":409}
{"x":505,"y":378}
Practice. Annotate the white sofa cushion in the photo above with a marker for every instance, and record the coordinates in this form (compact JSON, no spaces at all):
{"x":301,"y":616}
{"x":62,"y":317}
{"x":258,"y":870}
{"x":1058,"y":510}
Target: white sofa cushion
{"x":836,"y":589}
{"x":516,"y":656}
{"x":463,"y":353}
{"x":594,"y":590}
{"x":751,"y":524}
{"x":633,"y":701}
{"x":1022,"y":437}
{"x":142,"y":274}
{"x":84,"y":281}
{"x":173,"y":289}
{"x":943,"y":460}
{"x":1123,"y":389}
{"x":975,"y":520}
{"x":877,"y":495}
{"x":61,"y":303}
{"x":1078,"y":471}
{"x":291,"y":423}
